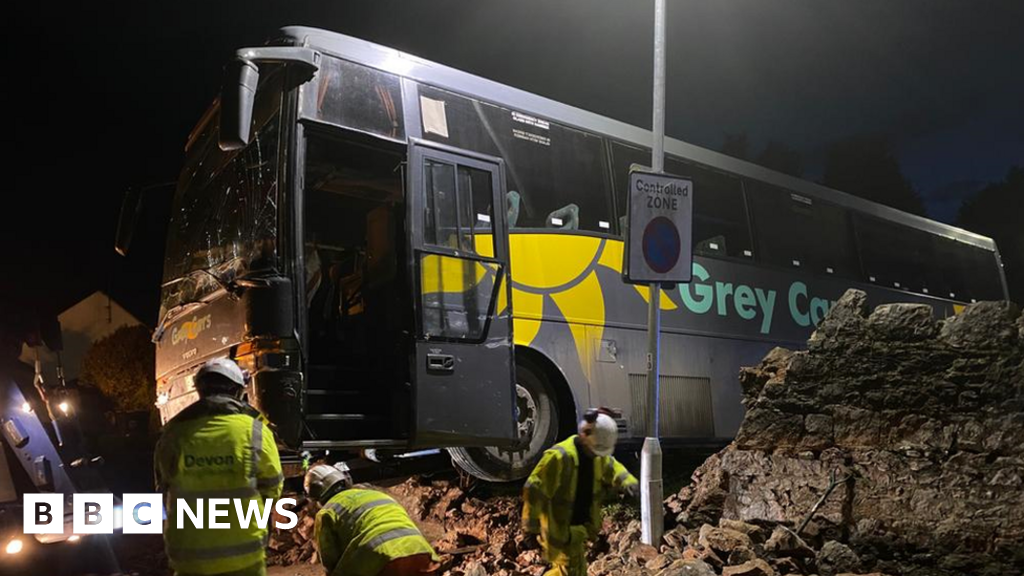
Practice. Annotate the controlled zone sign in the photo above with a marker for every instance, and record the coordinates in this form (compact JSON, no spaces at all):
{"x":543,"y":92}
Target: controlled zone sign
{"x":658,"y":246}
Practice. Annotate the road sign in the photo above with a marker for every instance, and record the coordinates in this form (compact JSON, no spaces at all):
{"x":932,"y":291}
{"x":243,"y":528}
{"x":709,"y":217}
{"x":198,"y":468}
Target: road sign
{"x":658,"y":247}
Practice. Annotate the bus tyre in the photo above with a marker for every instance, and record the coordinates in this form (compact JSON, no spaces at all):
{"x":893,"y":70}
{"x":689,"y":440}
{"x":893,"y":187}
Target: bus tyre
{"x":537,"y":419}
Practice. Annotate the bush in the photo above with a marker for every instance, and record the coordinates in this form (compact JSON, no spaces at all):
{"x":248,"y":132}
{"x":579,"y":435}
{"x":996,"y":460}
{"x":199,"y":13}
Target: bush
{"x":121,"y":366}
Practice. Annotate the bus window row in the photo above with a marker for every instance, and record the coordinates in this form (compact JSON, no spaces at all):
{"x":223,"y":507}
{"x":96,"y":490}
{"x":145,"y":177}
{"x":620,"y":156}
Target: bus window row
{"x":562,"y":178}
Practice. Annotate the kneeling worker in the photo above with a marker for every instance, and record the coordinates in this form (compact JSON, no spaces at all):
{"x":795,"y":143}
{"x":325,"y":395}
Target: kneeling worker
{"x":364,"y":532}
{"x":562,"y":498}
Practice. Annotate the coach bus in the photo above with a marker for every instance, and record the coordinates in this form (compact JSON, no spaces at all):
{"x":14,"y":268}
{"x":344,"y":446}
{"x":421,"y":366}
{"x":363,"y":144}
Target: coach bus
{"x":405,"y":255}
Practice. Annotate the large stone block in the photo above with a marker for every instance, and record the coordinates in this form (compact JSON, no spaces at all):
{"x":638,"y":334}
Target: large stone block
{"x":906,"y":322}
{"x":984,"y":326}
{"x":846,"y":319}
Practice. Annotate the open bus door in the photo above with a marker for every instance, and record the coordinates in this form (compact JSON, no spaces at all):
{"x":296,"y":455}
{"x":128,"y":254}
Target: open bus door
{"x":463,"y":372}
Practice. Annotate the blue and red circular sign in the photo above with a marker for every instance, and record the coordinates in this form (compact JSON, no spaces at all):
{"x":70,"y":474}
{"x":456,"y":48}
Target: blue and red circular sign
{"x":661,"y":244}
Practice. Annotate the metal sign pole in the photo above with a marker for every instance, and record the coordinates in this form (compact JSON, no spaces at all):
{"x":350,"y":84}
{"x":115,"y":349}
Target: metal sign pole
{"x":652,"y":511}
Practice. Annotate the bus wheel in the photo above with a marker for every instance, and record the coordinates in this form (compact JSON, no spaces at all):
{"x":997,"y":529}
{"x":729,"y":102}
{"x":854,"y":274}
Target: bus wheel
{"x":537,"y":419}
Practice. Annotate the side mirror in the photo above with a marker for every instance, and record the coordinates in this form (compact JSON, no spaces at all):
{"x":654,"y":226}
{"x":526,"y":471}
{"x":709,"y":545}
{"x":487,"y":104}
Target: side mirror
{"x":241,"y":78}
{"x":130,"y":208}
{"x":236,"y":102}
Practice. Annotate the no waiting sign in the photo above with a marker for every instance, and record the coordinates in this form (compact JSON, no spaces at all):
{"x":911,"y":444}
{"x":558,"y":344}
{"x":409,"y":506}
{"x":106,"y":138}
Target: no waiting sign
{"x":658,"y":247}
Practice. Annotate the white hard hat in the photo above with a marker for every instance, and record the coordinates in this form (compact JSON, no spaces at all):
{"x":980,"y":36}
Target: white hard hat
{"x":223,"y":368}
{"x":598,"y":432}
{"x":324,"y":481}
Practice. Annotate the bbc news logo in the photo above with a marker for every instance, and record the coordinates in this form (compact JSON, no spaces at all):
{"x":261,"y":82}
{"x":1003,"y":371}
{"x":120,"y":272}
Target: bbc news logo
{"x":144,"y":513}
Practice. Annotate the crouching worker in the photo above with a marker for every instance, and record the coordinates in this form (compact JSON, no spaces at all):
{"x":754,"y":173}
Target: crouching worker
{"x":563,"y":496}
{"x":364,"y":532}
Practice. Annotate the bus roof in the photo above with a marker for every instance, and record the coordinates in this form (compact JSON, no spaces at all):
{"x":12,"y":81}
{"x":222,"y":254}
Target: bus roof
{"x":427,"y":72}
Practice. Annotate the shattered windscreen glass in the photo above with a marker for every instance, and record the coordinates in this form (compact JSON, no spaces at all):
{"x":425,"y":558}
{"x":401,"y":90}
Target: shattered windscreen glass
{"x":224,"y":219}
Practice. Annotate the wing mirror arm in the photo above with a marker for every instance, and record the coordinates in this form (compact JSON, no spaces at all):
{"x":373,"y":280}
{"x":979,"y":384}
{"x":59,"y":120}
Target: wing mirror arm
{"x":242,"y":76}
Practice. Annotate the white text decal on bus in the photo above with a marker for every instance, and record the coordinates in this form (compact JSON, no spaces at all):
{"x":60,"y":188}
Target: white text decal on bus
{"x":520,"y":117}
{"x":435,"y":120}
{"x":531,"y":137}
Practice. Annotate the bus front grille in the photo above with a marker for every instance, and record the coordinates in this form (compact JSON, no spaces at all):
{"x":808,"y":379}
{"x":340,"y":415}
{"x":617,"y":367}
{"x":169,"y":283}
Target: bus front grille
{"x":685,"y":406}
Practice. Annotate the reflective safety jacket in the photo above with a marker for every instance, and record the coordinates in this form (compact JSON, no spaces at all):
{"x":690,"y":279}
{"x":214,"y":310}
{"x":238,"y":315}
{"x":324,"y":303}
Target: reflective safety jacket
{"x":550,"y":492}
{"x":218,"y":447}
{"x":359,"y":531}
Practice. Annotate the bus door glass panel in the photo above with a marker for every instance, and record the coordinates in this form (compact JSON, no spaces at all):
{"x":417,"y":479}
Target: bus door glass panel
{"x":455,"y":291}
{"x":463,"y":388}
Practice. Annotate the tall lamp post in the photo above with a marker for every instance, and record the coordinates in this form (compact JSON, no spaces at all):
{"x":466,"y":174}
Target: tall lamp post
{"x":652,"y":512}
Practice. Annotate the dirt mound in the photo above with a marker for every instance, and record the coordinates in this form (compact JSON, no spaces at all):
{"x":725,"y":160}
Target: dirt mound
{"x":475,"y":531}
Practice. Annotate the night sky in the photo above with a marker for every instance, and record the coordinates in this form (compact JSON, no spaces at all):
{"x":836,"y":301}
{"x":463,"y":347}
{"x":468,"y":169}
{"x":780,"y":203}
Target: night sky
{"x":104,"y":94}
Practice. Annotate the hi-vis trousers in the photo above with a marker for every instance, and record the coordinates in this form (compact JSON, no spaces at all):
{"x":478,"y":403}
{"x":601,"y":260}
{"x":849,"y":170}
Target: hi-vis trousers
{"x":571,"y":560}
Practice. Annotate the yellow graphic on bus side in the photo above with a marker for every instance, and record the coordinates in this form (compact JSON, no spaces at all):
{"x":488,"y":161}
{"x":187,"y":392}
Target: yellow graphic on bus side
{"x":561,"y":267}
{"x":564,"y":268}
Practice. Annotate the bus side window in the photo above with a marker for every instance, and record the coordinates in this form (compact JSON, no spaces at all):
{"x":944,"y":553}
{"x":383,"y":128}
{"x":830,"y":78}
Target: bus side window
{"x":623,"y":157}
{"x":897,"y":256}
{"x":550,"y":166}
{"x":949,"y":256}
{"x":355,"y":96}
{"x":801,"y":232}
{"x":970,"y":272}
{"x":985,"y":280}
{"x":720,"y":226}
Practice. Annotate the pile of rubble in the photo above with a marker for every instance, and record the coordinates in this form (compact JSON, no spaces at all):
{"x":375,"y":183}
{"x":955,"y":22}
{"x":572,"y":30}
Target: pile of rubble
{"x":480,"y":529}
{"x":294,"y":546}
{"x":732,"y":548}
{"x":475,"y":532}
{"x":893,"y":445}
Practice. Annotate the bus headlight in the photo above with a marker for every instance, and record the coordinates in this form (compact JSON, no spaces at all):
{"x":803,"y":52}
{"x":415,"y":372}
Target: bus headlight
{"x":14,"y":546}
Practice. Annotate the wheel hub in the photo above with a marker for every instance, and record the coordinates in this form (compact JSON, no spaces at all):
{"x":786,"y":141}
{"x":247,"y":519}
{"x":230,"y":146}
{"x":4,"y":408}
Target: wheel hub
{"x":526,"y":425}
{"x":526,"y":414}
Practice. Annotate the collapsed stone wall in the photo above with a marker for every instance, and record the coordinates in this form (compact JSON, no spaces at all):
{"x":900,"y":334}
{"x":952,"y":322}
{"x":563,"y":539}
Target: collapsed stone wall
{"x":921,"y":421}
